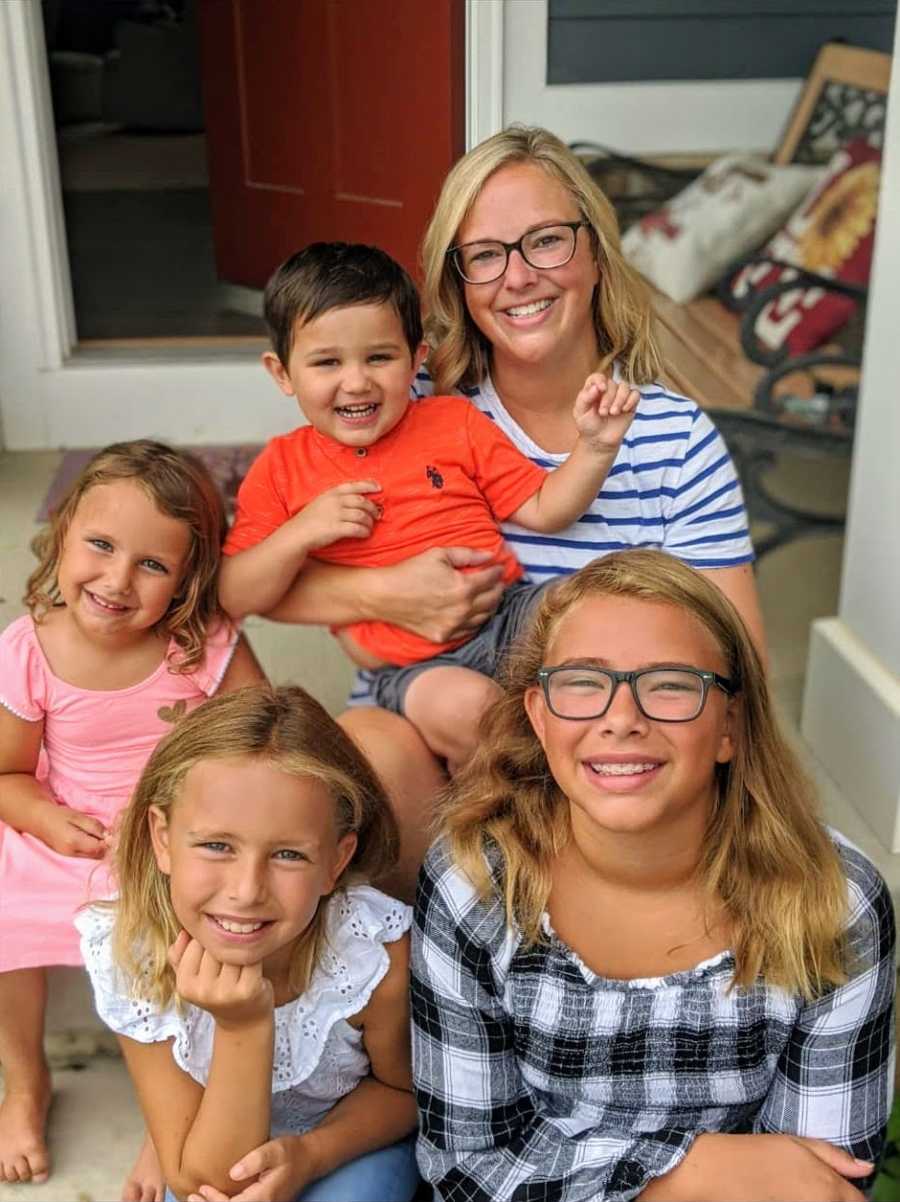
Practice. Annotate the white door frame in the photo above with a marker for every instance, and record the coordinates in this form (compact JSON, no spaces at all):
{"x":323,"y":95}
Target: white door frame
{"x":484,"y":69}
{"x":52,"y":397}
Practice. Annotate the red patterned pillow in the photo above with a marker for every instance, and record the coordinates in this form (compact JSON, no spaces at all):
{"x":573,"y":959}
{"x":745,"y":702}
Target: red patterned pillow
{"x":832,"y":234}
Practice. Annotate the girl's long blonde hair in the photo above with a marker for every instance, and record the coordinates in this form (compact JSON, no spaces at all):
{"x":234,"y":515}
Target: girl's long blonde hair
{"x":460,"y":354}
{"x":180,"y":487}
{"x":286,"y":728}
{"x":764,"y":845}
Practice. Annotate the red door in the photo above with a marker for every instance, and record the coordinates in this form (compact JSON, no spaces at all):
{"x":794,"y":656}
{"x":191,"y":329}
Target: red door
{"x":327,"y":119}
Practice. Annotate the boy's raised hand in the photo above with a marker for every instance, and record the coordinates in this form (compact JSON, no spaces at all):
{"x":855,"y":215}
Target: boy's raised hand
{"x":604,"y":409}
{"x":235,"y":995}
{"x":340,"y":512}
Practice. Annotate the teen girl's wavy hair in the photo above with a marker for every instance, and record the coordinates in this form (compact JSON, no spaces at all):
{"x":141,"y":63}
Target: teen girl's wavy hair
{"x":461,"y":354}
{"x":764,"y":843}
{"x":180,"y":487}
{"x":283,"y":727}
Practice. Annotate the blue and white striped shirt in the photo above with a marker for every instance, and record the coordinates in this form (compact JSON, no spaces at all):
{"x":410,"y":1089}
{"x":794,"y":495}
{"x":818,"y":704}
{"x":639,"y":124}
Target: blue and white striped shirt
{"x":673,"y":486}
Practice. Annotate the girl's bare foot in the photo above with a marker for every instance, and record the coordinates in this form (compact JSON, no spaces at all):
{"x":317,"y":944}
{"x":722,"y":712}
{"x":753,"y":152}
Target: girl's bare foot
{"x":145,"y":1181}
{"x":23,"y":1124}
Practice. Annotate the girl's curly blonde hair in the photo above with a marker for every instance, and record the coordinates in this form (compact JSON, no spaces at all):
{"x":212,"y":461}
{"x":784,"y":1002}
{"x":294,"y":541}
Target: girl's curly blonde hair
{"x":180,"y":487}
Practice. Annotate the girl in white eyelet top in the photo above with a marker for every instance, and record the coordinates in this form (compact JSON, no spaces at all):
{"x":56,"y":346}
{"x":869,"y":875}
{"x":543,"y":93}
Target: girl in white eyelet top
{"x":258,"y":992}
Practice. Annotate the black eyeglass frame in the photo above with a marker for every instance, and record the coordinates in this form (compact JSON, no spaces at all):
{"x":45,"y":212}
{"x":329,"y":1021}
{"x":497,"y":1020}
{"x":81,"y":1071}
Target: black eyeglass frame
{"x":453,"y":252}
{"x":708,"y":679}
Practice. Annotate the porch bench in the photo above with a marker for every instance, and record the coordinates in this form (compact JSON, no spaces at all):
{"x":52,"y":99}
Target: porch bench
{"x":763,"y":402}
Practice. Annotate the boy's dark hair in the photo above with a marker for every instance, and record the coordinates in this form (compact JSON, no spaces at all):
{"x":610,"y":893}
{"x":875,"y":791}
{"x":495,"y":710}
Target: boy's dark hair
{"x":329,"y":275}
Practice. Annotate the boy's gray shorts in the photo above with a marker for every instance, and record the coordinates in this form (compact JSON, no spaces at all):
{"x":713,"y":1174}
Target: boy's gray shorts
{"x":482,"y":653}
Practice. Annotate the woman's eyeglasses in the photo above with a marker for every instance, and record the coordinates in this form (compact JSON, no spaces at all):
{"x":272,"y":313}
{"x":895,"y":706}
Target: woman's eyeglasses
{"x":546,"y":247}
{"x":661,"y":694}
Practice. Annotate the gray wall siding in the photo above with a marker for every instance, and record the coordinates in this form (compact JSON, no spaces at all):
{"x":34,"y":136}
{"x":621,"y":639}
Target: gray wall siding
{"x":606,"y":41}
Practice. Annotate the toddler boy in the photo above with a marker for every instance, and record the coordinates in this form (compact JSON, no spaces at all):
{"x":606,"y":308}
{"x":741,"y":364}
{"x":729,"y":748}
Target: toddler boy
{"x":377,"y":477}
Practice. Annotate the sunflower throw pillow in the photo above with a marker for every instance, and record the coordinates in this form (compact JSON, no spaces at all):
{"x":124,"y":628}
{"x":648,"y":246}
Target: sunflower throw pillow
{"x":832,"y":233}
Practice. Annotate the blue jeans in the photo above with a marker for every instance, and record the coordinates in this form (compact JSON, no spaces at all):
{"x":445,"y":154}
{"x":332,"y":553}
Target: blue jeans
{"x":388,"y":1175}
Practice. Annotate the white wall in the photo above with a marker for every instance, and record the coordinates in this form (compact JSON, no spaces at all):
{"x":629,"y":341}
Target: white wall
{"x":870,"y":587}
{"x":638,"y":118}
{"x":851,"y":712}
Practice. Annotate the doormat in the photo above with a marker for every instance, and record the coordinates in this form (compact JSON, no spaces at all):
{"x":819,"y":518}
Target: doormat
{"x":227,"y":465}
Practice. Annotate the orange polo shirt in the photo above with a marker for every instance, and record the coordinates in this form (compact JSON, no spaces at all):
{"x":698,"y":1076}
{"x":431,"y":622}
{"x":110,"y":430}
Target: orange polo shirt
{"x":447,"y":474}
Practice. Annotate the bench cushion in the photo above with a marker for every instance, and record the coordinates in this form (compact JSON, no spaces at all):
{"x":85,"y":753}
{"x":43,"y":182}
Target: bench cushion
{"x":738,"y":202}
{"x":832,"y":233}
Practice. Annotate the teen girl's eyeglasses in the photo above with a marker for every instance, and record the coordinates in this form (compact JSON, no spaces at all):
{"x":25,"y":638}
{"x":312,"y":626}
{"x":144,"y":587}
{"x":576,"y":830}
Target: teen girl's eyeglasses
{"x":546,"y":247}
{"x":661,"y":694}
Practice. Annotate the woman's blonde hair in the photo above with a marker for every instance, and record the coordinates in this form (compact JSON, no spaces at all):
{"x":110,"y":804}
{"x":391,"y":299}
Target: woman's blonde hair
{"x":285,"y":728}
{"x":180,"y":487}
{"x":461,"y":355}
{"x":764,"y":843}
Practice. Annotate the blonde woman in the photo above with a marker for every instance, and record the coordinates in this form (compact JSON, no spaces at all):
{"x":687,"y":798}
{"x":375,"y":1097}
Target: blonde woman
{"x":528,"y":293}
{"x":641,"y":966}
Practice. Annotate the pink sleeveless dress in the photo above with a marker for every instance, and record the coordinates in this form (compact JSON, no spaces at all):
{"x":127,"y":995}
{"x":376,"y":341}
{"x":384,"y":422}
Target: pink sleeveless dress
{"x":95,"y":745}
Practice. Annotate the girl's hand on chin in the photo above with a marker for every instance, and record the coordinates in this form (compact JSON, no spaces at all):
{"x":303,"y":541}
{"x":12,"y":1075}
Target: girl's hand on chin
{"x":235,"y":995}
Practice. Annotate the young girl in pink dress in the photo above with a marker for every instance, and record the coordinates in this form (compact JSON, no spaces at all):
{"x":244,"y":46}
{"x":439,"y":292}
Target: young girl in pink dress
{"x":123,"y":636}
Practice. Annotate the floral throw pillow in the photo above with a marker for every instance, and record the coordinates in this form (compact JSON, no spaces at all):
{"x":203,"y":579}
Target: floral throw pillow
{"x":738,"y":201}
{"x":832,"y":233}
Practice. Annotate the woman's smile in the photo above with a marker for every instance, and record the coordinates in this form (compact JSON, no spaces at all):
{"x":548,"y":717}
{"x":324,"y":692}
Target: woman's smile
{"x":531,"y":313}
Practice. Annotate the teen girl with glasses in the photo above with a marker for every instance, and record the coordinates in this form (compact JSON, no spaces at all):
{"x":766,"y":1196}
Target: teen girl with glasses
{"x":641,"y":966}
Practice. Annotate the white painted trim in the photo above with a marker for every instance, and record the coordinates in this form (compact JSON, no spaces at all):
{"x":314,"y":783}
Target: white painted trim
{"x":211,"y":397}
{"x":638,"y":118}
{"x":851,"y":719}
{"x":32,"y":109}
{"x":484,"y":69}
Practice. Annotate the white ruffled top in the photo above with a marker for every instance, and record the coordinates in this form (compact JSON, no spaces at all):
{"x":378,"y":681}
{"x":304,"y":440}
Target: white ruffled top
{"x":319,"y":1057}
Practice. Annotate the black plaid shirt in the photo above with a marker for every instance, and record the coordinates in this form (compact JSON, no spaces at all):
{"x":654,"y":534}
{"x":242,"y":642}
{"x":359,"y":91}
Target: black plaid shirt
{"x":538,"y":1080}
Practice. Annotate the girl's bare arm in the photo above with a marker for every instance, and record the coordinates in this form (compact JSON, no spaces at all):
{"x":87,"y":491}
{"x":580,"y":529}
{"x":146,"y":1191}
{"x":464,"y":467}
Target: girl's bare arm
{"x":200,"y":1132}
{"x":377,"y":1113}
{"x":26,"y":804}
{"x":192,"y":1128}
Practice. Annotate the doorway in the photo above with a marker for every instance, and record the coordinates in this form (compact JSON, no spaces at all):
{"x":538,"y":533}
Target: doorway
{"x":130,"y":135}
{"x":56,"y":392}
